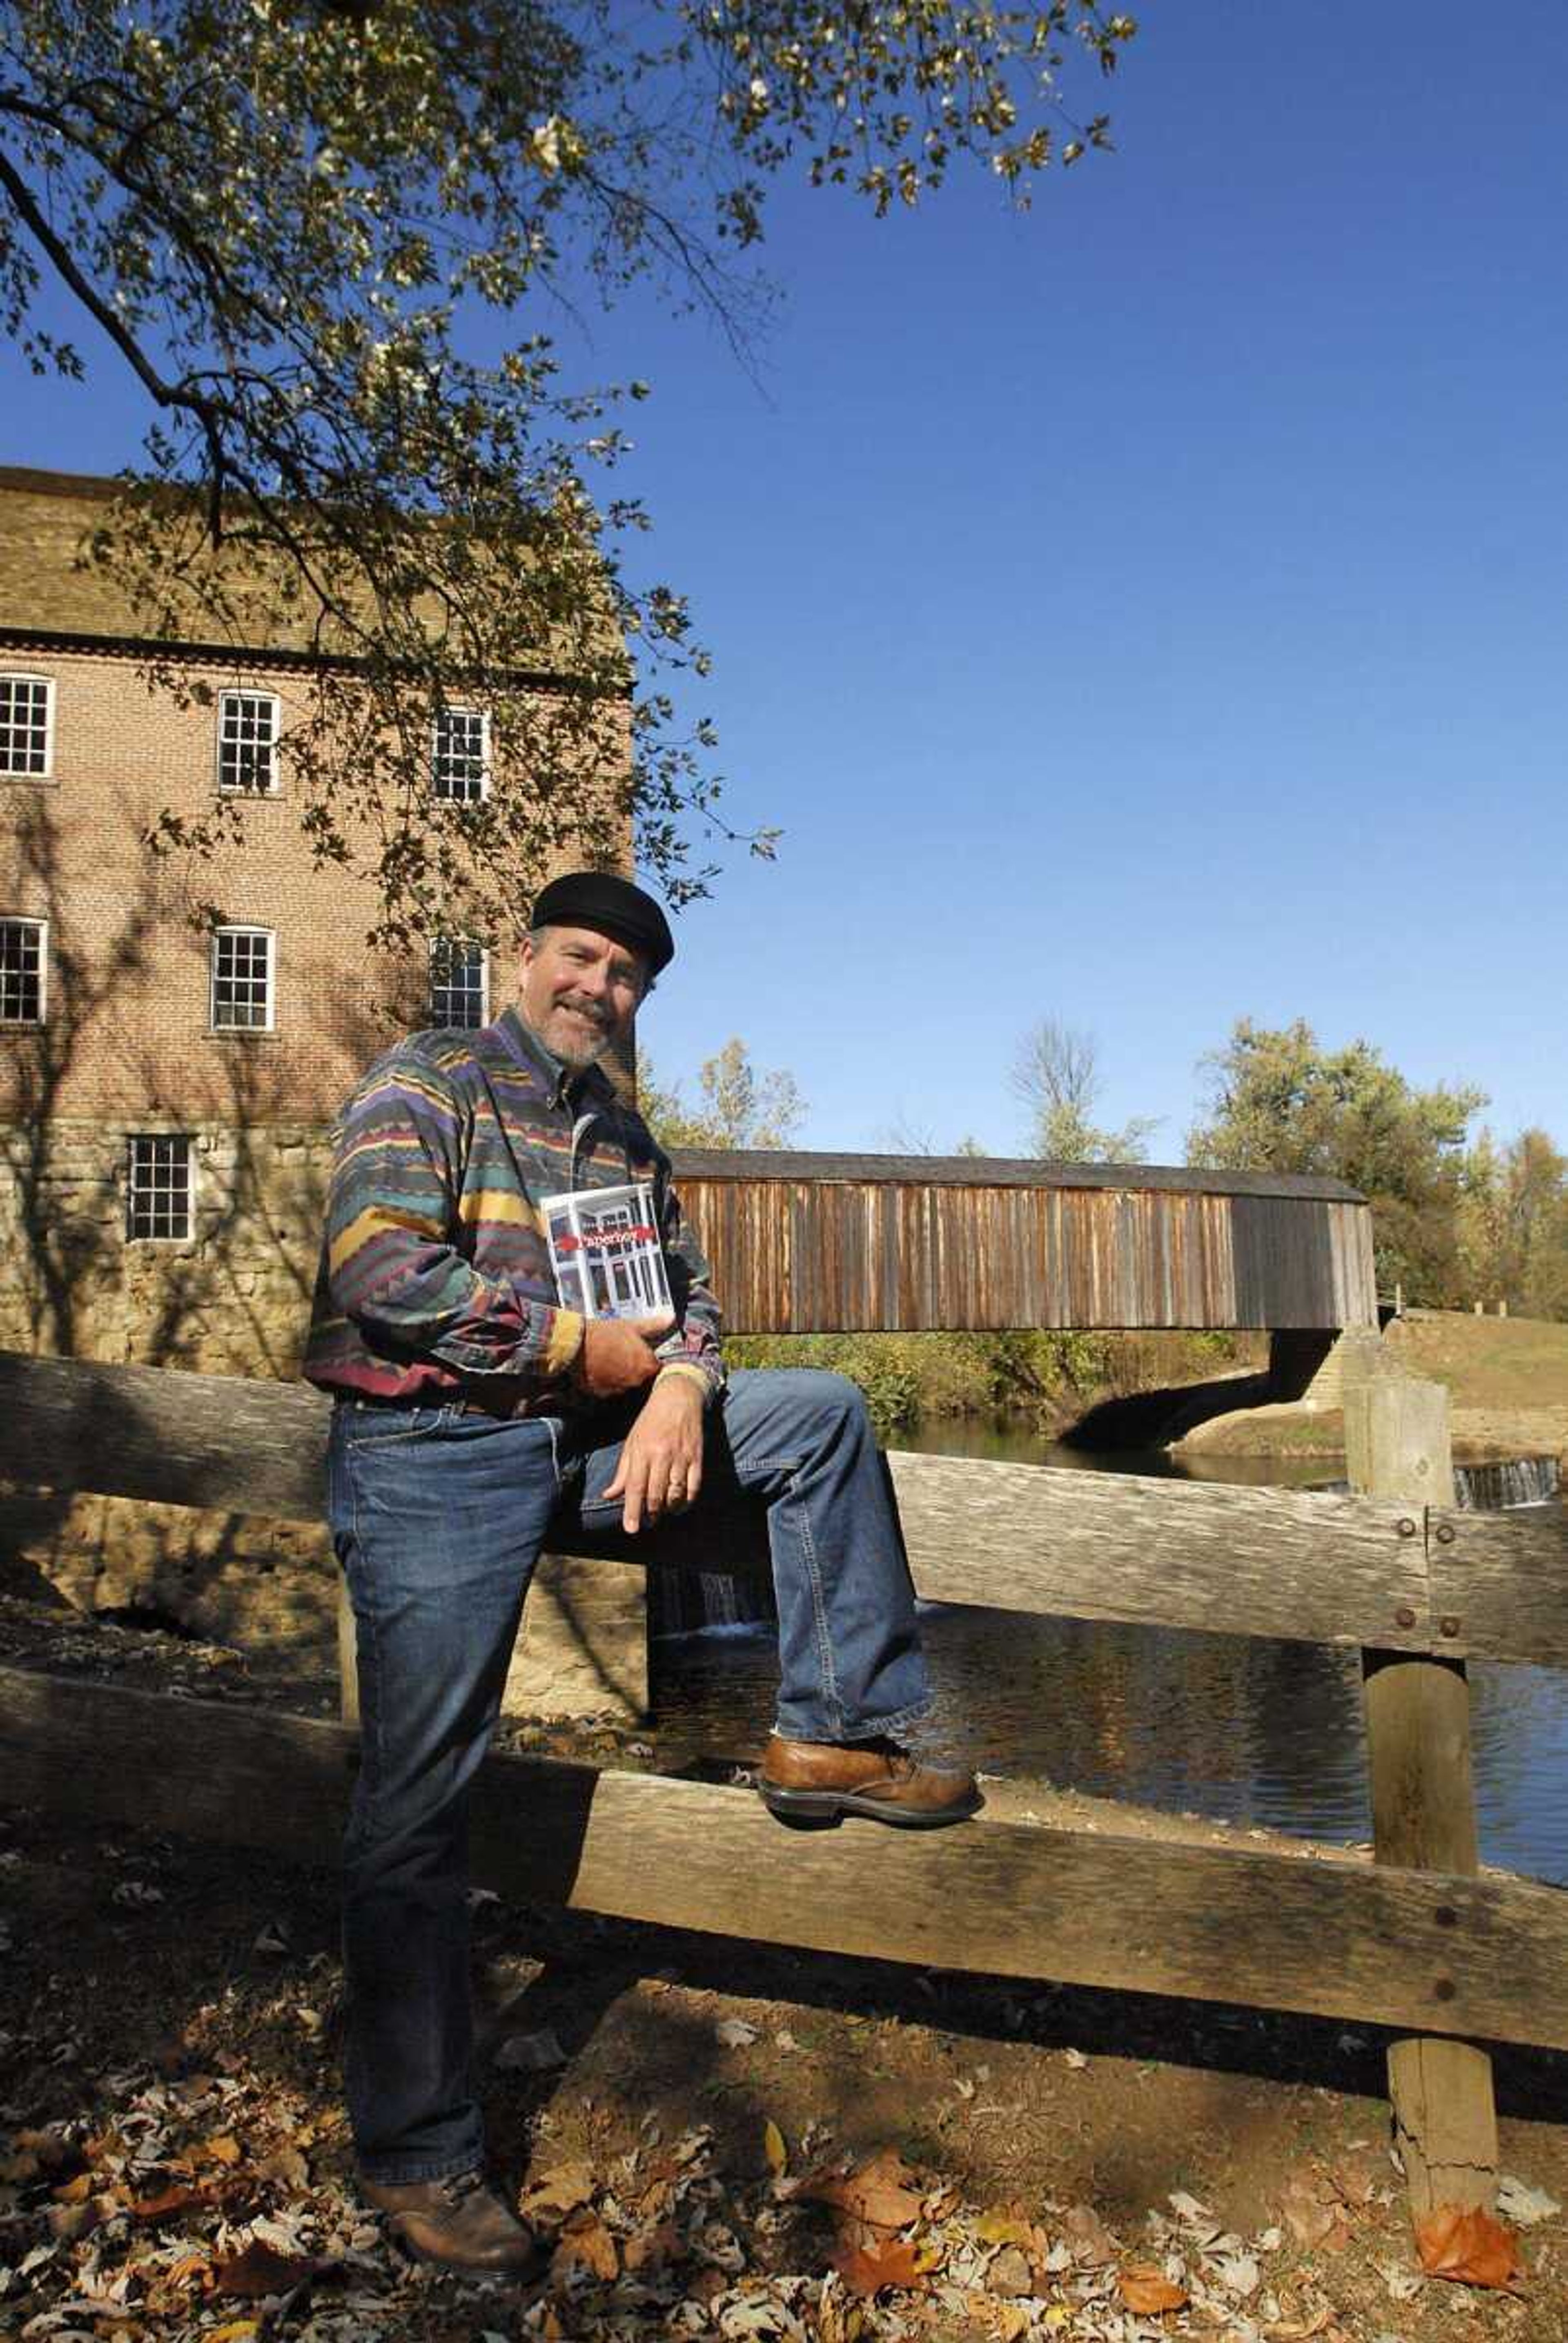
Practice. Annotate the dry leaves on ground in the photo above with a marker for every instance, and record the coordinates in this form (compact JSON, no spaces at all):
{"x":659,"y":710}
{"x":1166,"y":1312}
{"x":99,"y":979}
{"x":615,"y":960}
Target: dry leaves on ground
{"x":1472,"y":2247}
{"x":1146,"y":2289}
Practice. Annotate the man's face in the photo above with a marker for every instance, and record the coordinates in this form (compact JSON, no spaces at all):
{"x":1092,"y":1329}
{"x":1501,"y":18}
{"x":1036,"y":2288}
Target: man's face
{"x":580,"y":992}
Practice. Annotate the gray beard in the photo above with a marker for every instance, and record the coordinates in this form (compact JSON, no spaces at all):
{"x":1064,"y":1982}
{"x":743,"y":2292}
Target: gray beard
{"x":578,"y":1055}
{"x":583,"y":1054}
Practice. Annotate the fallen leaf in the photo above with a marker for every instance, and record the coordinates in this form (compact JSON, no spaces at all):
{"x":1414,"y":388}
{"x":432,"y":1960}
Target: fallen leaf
{"x":1472,"y":2249}
{"x":1353,"y":2181}
{"x":1010,"y":2273}
{"x":223,"y":2149}
{"x":73,"y":2192}
{"x":1310,"y":2219}
{"x":261,"y":2270}
{"x":1404,"y":2284}
{"x":1004,"y":2225}
{"x":53,"y":2153}
{"x":1237,"y":2273}
{"x":236,"y":2330}
{"x":1074,"y":2058}
{"x":586,"y":2239}
{"x":734,"y":2033}
{"x":774,"y":2149}
{"x":1146,"y":2291}
{"x":653,"y":2247}
{"x":866,"y":2270}
{"x":67,"y":2223}
{"x":1091,"y":2242}
{"x":839,"y":2321}
{"x":553,"y":2195}
{"x":877,"y":2191}
{"x":287,"y":2164}
{"x":164,"y":2202}
{"x":1523,"y":2205}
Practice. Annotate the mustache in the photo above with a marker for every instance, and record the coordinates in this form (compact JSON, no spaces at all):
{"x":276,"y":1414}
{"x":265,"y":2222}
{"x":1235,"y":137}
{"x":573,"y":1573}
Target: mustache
{"x":593,"y":1010}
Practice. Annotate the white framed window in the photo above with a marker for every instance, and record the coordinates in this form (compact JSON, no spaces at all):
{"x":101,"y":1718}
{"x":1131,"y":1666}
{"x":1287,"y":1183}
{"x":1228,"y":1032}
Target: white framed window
{"x":24,"y":971}
{"x":242,"y":980}
{"x":460,"y":754}
{"x":459,"y":983}
{"x":247,"y":743}
{"x":160,"y":1187}
{"x":26,"y":727}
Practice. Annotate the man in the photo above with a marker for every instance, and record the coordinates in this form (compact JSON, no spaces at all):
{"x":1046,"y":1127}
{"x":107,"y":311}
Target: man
{"x":478,"y":1418}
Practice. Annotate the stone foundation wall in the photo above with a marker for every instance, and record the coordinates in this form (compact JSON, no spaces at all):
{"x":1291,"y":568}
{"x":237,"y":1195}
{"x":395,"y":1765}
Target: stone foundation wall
{"x":229,"y":1578}
{"x":232,"y":1299}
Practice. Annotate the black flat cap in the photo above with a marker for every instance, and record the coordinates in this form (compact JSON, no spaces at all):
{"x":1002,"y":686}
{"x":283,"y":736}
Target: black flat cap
{"x":598,"y":899}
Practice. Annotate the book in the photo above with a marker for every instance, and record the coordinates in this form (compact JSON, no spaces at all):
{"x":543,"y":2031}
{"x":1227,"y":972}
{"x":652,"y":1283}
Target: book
{"x":606,"y":1251}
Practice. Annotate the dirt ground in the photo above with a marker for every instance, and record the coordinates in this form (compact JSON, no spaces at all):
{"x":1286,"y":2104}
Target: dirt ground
{"x":711,"y":2136}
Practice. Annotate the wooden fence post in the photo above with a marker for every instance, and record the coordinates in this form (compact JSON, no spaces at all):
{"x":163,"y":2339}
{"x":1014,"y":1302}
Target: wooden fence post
{"x":348,"y":1656}
{"x":1422,"y":1794}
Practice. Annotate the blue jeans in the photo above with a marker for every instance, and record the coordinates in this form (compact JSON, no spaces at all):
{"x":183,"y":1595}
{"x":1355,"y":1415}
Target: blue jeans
{"x":438,"y":1517}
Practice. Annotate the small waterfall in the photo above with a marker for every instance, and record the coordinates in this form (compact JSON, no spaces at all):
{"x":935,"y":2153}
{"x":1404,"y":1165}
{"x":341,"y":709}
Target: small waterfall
{"x":684,"y":1601}
{"x":1489,"y":1488}
{"x":1520,"y":1481}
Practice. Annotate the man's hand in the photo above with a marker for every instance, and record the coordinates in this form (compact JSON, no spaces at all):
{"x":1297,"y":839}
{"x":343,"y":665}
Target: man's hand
{"x":616,"y":1355}
{"x":660,"y":1469}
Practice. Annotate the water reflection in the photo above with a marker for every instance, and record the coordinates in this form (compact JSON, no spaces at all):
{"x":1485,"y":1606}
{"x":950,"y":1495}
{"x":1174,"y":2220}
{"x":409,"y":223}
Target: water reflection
{"x":1227,"y":1727}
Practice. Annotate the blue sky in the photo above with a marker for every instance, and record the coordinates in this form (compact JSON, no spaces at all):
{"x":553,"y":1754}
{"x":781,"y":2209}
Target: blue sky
{"x":1147,"y":611}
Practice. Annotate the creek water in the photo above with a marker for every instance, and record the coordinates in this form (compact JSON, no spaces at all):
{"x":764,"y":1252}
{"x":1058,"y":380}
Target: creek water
{"x":1226,"y":1727}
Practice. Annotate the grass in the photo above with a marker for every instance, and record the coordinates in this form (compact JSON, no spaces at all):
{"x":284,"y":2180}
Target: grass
{"x":1487,"y":1363}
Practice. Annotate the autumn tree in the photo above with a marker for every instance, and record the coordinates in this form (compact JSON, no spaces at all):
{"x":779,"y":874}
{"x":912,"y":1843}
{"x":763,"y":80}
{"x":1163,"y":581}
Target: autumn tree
{"x":1277,"y":1102}
{"x":1513,"y":1220}
{"x":742,"y":1105}
{"x":1056,"y":1073}
{"x":301,"y":226}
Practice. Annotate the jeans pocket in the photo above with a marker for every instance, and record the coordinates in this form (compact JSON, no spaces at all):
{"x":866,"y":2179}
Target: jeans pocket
{"x":375,"y":1427}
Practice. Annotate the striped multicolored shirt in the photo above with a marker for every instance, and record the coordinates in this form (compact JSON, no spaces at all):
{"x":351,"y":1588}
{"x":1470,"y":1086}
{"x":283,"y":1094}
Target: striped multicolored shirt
{"x":436,"y":1272}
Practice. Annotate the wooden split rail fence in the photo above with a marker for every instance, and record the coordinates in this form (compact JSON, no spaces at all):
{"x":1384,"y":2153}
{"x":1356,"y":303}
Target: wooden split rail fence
{"x":1416,"y":1941}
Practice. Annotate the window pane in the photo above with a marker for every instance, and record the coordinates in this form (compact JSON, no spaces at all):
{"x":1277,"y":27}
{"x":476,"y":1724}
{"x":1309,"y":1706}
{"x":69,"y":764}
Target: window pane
{"x":24,"y":724}
{"x":158,"y":1188}
{"x":21,"y":971}
{"x":247,"y":734}
{"x":456,"y":983}
{"x":242,"y":978}
{"x":458,"y":766}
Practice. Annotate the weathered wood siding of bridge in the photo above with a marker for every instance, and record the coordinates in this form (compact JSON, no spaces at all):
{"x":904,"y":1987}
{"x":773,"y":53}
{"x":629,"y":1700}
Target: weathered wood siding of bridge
{"x":812,"y":1244}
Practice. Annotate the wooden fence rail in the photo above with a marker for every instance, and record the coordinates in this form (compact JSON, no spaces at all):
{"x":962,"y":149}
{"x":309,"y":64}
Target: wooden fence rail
{"x":1342,"y":1939}
{"x":1237,"y":1560}
{"x":1416,"y":1941}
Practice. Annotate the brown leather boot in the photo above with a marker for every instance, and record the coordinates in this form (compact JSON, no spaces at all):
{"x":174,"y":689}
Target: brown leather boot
{"x":457,"y":2221}
{"x":821,"y":1781}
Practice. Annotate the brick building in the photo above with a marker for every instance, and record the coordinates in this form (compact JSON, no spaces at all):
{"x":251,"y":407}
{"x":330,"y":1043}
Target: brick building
{"x":165,"y":1078}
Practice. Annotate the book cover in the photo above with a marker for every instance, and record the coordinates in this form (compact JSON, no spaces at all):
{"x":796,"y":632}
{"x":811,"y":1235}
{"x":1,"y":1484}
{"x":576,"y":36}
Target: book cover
{"x":606,"y":1251}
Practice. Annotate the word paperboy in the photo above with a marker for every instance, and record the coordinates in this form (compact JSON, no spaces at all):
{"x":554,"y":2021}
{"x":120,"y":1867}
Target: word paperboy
{"x":605,"y":1249}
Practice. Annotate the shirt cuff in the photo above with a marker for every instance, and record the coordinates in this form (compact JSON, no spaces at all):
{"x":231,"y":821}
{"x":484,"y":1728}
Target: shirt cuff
{"x":692,"y":1374}
{"x":563,"y":1344}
